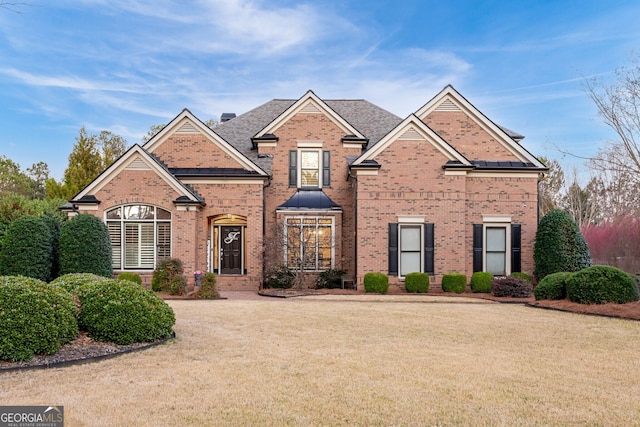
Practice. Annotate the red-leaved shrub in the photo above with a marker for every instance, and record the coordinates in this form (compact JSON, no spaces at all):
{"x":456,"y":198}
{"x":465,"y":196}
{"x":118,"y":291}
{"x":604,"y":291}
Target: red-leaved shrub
{"x":615,"y":243}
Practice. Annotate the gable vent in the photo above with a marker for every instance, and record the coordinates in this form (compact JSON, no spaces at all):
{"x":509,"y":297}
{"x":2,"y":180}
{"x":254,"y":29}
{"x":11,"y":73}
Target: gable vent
{"x":310,"y":108}
{"x":138,"y":165}
{"x":412,"y":134}
{"x":447,"y":105}
{"x":188,"y":127}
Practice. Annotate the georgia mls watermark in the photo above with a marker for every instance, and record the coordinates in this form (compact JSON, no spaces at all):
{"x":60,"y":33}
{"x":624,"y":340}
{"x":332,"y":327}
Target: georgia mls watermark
{"x":31,"y":416}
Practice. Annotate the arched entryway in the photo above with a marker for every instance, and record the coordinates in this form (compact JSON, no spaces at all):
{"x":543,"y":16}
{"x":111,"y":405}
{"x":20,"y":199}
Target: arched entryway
{"x":227,"y":243}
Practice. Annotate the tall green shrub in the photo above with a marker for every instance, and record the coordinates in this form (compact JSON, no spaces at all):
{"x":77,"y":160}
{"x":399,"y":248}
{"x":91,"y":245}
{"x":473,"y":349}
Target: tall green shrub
{"x":559,"y":245}
{"x":207,"y":288}
{"x":416,"y":282}
{"x":600,"y":284}
{"x":85,"y":246}
{"x":454,"y":282}
{"x":27,"y":249}
{"x":54,"y":223}
{"x":169,"y":277}
{"x":376,"y":282}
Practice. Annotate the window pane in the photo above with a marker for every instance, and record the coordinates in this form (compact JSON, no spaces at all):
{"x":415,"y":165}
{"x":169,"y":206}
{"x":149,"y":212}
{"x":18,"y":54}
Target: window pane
{"x":410,"y":238}
{"x":409,"y":263}
{"x":496,"y":239}
{"x":115,"y":236}
{"x":114,"y":213}
{"x":146,"y":246}
{"x":163,"y":214}
{"x":496,"y":263}
{"x":309,"y":160}
{"x":309,"y":178}
{"x":164,"y":241}
{"x":131,"y":240}
{"x":138,"y":212}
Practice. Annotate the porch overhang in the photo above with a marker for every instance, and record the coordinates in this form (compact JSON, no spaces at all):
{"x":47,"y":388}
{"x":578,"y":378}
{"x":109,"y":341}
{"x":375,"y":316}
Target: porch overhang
{"x":309,"y":200}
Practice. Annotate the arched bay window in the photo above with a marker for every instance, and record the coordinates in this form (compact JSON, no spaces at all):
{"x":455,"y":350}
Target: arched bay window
{"x":140,"y":236}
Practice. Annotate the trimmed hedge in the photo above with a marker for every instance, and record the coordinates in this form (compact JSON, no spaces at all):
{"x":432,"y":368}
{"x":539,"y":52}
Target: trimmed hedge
{"x":73,"y":281}
{"x":454,"y":282}
{"x":85,"y":246}
{"x":416,"y":282}
{"x":27,"y":249}
{"x":511,"y":287}
{"x":130,"y":276}
{"x":376,"y":283}
{"x":601,"y":284}
{"x":553,"y":286}
{"x":481,"y":282}
{"x":123,"y":312}
{"x":35,"y":318}
{"x":207,"y":288}
{"x":559,"y":245}
{"x":54,"y":224}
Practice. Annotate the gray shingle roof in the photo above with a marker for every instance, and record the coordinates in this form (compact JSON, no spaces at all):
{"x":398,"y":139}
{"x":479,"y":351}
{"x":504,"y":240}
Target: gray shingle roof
{"x":370,"y":120}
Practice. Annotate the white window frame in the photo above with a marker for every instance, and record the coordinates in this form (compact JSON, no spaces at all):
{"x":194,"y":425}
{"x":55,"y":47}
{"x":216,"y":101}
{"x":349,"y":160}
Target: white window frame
{"x":302,"y":226}
{"x":318,"y":152}
{"x":420,"y":227}
{"x":119,"y":250}
{"x":497,"y":221}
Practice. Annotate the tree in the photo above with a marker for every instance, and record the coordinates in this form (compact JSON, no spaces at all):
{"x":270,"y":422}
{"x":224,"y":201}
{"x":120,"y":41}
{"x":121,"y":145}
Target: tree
{"x":618,"y":104}
{"x":39,"y":174}
{"x":91,"y":155}
{"x":581,"y":203}
{"x":551,"y":186}
{"x":559,"y":245}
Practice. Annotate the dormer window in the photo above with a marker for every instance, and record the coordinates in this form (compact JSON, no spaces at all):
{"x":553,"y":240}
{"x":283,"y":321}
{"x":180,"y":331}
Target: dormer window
{"x":309,"y":168}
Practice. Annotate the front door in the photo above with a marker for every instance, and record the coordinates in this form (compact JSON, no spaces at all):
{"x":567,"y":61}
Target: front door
{"x":231,"y":250}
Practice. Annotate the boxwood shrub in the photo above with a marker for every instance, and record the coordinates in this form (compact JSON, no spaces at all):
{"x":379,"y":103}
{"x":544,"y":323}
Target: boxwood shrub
{"x":85,"y":246}
{"x":123,"y":312}
{"x":416,"y":282}
{"x":454,"y":282}
{"x":73,"y":281}
{"x":481,"y":282}
{"x":130,"y":276}
{"x":600,"y":284}
{"x":376,"y":283}
{"x":35,"y":318}
{"x":511,"y":286}
{"x":553,"y":286}
{"x":27,"y":248}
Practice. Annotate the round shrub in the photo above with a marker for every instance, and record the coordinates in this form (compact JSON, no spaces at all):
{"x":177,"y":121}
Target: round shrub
{"x":26,"y":250}
{"x":130,"y":276}
{"x":559,"y":245}
{"x":85,"y":246}
{"x":35,"y":318}
{"x":600,"y":284}
{"x":553,"y":286}
{"x":208,"y":288}
{"x":416,"y":282}
{"x":511,"y":287}
{"x":123,"y":312}
{"x":454,"y":282}
{"x":279,"y":277}
{"x":73,"y":281}
{"x":481,"y":282}
{"x":376,"y":283}
{"x":164,"y":275}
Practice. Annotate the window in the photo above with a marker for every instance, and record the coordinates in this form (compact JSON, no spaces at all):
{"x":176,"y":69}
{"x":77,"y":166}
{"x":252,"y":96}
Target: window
{"x":140,"y":236}
{"x":309,"y":168}
{"x":411,"y":248}
{"x":496,"y":247}
{"x":309,"y":243}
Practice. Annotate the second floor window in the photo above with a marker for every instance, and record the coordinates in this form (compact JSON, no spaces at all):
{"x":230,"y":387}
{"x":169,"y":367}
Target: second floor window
{"x":309,"y":168}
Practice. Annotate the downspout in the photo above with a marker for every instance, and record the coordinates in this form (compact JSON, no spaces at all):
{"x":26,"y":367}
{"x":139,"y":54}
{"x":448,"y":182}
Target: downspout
{"x":355,"y":231}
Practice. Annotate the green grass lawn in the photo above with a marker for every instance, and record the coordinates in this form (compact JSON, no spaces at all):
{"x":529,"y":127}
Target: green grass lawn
{"x":307,"y":361}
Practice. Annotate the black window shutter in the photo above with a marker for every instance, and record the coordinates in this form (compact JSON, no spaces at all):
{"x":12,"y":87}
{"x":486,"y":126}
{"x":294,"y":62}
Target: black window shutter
{"x":393,"y":249}
{"x":293,"y":168}
{"x":516,"y":244}
{"x":429,"y":249}
{"x":326,"y":168}
{"x":477,"y":247}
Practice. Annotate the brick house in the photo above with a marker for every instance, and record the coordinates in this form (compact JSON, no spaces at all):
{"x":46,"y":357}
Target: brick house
{"x":320,"y":184}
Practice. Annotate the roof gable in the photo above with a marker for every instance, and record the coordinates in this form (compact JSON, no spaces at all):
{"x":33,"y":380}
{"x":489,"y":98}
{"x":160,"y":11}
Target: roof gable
{"x":136,"y":158}
{"x":412,"y":128}
{"x":450,"y":100}
{"x":187,"y":123}
{"x":309,"y":103}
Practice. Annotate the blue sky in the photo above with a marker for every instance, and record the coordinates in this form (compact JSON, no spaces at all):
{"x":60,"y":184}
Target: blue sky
{"x":125,"y":65}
